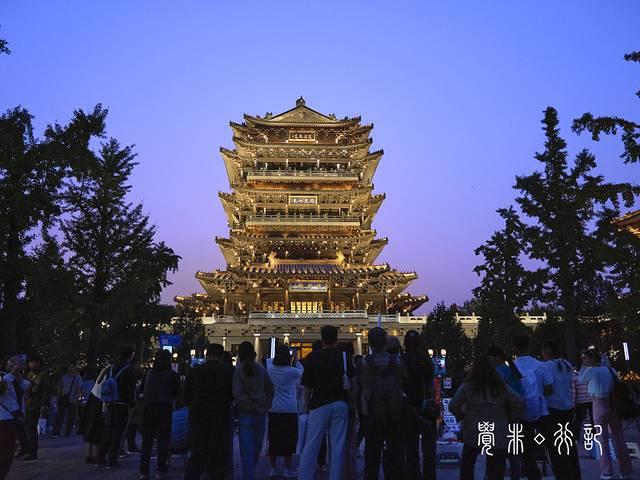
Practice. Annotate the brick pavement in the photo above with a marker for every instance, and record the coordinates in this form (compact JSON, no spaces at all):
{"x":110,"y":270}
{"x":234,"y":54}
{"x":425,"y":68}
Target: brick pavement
{"x":63,"y":459}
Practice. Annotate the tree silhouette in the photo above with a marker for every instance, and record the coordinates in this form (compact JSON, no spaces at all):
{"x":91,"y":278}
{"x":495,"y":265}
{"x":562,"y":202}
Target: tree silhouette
{"x":611,"y":125}
{"x":563,"y":202}
{"x":32,"y":172}
{"x":113,"y":254}
{"x":506,"y":287}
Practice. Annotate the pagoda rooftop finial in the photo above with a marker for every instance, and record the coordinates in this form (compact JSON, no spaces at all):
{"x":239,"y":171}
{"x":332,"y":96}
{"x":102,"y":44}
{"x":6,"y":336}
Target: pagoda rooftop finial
{"x":300,"y":102}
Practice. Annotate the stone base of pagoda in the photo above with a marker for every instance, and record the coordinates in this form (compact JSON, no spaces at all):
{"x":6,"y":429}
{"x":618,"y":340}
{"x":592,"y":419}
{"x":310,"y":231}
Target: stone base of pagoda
{"x":300,"y":330}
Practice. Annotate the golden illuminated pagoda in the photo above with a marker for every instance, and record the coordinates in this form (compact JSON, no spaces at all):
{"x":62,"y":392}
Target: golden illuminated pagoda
{"x":631,"y":222}
{"x":301,"y":248}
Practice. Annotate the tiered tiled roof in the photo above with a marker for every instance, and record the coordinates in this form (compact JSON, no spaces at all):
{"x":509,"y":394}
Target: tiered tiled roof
{"x":302,"y":206}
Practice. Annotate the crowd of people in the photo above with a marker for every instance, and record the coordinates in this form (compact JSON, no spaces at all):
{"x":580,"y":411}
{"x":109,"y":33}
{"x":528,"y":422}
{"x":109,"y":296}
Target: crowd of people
{"x":322,"y":407}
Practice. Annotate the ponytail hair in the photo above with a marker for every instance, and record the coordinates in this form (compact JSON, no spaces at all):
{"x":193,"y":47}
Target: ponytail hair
{"x":592,"y":353}
{"x":247,"y":356}
{"x":498,"y":352}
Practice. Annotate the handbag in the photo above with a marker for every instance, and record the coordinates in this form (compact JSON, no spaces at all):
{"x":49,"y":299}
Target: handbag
{"x":64,"y":399}
{"x":16,"y":415}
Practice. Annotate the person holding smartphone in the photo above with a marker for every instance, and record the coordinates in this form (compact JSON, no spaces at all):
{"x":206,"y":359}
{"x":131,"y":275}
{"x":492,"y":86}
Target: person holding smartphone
{"x":15,"y":378}
{"x":9,"y":412}
{"x":285,"y":374}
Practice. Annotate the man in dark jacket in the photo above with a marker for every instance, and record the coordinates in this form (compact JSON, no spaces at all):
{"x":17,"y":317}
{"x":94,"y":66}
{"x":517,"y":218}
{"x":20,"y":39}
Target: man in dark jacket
{"x":117,"y":415}
{"x":419,"y":390}
{"x":208,"y":395}
{"x":382,"y":377}
{"x":37,"y":403}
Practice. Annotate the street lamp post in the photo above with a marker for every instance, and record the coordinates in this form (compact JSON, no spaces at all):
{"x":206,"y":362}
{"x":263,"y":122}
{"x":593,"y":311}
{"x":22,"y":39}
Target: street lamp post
{"x":627,"y":358}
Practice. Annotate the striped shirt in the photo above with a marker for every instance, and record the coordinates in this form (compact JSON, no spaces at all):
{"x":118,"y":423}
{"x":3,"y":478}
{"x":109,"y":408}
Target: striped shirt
{"x":582,"y":396}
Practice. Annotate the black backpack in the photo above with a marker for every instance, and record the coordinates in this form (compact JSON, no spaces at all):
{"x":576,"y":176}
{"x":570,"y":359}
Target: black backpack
{"x":386,"y":405}
{"x":623,"y":399}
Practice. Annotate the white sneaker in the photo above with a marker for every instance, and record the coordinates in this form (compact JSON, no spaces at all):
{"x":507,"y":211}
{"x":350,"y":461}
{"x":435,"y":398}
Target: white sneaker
{"x":273,"y":473}
{"x":290,"y":473}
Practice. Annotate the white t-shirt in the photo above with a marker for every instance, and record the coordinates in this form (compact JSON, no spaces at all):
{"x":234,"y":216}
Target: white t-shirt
{"x":24,"y":385}
{"x":562,"y":373}
{"x":286,"y":382}
{"x":526,"y":364}
{"x":8,"y":403}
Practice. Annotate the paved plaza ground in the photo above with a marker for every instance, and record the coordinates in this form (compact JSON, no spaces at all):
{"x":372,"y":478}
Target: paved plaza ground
{"x":63,"y":459}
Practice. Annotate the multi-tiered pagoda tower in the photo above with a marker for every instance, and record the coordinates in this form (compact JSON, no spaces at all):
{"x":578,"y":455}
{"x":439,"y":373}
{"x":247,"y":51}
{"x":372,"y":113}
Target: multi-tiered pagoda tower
{"x":301,"y":251}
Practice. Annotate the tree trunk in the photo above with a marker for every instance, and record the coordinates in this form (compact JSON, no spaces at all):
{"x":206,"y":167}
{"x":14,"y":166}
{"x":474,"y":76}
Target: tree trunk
{"x":571,"y":340}
{"x":95,"y":322}
{"x":92,"y":343}
{"x":570,"y":320}
{"x":9,"y":314}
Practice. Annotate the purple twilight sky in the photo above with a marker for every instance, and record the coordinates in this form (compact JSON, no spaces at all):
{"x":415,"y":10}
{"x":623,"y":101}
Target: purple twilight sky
{"x":455,"y":90}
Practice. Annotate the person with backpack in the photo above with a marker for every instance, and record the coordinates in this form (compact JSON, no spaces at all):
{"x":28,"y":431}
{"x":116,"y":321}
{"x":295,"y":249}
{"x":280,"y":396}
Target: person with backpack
{"x":565,"y":465}
{"x":513,"y":378}
{"x":117,"y":391}
{"x":208,"y":394}
{"x":69,"y":389}
{"x":326,"y":396}
{"x":536,"y":383}
{"x":161,"y":387}
{"x":382,"y":378}
{"x":601,"y":381}
{"x":93,"y":416}
{"x":484,"y":398}
{"x":419,"y":390}
{"x":253,"y":393}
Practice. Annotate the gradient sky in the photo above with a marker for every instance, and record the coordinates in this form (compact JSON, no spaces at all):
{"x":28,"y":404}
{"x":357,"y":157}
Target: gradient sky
{"x":455,"y":90}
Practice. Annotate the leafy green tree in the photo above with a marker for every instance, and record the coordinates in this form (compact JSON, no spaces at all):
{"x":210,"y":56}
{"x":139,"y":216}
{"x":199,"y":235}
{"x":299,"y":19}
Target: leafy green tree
{"x":622,"y":277}
{"x":443,"y":331}
{"x":506,"y":286}
{"x":32,"y":172}
{"x":4,"y":47}
{"x":109,"y":240}
{"x":611,"y":125}
{"x":622,"y":248}
{"x":189,"y":326}
{"x":563,"y":202}
{"x":50,"y":308}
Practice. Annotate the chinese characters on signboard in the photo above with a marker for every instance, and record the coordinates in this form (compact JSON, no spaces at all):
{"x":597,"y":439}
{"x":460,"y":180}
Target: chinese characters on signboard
{"x":302,"y":136}
{"x":303,"y":200}
{"x":307,"y":286}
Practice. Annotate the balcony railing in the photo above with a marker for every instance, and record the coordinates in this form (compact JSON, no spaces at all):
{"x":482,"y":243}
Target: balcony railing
{"x":224,"y":319}
{"x":408,"y":319}
{"x":303,"y":174}
{"x":301,"y":219}
{"x":325,"y":314}
{"x":322,"y":315}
